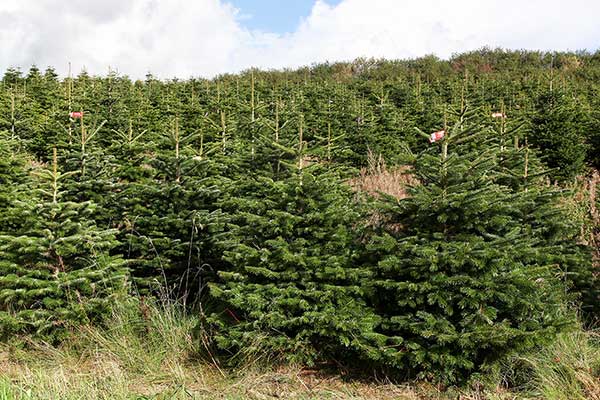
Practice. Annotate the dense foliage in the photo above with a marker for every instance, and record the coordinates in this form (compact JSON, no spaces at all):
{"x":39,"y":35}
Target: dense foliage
{"x":232,"y":194}
{"x":464,"y":271}
{"x":55,"y":261}
{"x":291,"y":278}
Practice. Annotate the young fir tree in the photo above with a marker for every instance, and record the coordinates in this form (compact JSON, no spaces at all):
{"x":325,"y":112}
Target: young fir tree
{"x":385,"y":137}
{"x":461,"y":277}
{"x":594,"y":138}
{"x":290,"y":284}
{"x":520,"y":169}
{"x":560,"y":130}
{"x":55,"y":265}
{"x":168,"y":213}
{"x":13,"y":173}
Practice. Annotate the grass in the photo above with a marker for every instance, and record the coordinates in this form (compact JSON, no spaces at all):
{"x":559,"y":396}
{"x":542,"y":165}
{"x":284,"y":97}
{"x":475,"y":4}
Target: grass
{"x":568,"y":369}
{"x":378,"y":178}
{"x":152,"y":351}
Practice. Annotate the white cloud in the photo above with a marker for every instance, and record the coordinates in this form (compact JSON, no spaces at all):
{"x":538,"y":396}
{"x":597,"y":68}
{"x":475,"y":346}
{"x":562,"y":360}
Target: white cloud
{"x":401,"y":28}
{"x":206,"y":37}
{"x":168,"y":37}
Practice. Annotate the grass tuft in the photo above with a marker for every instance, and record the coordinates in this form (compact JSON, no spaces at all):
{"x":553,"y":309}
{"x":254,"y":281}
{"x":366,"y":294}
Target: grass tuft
{"x":567,"y":369}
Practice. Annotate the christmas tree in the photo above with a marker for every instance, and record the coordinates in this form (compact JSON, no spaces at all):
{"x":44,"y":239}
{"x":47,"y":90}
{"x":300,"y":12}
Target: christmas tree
{"x":561,"y":130}
{"x":56,"y":267}
{"x":166,"y":208}
{"x":461,"y":275}
{"x":290,"y":284}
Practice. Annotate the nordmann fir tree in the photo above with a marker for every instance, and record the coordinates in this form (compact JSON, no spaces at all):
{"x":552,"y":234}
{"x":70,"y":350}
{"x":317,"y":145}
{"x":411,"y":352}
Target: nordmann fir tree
{"x":55,"y":266}
{"x":168,"y":213}
{"x":290,"y":284}
{"x":520,"y":169}
{"x":561,"y":130}
{"x":80,"y":153}
{"x":12,"y":174}
{"x":460,"y":277}
{"x":385,"y":136}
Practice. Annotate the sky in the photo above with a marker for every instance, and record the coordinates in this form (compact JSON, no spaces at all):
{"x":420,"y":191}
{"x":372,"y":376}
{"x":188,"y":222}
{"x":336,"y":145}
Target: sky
{"x":204,"y":38}
{"x":277,"y":16}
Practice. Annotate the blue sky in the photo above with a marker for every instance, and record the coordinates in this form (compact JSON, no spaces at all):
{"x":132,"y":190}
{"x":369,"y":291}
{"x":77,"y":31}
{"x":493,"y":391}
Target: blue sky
{"x":277,"y":16}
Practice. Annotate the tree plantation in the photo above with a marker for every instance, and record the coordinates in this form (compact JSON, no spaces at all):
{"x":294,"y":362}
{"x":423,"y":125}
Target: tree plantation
{"x":240,"y":198}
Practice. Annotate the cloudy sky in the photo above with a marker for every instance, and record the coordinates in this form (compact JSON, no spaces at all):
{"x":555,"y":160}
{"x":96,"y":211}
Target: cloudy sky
{"x":183,"y":38}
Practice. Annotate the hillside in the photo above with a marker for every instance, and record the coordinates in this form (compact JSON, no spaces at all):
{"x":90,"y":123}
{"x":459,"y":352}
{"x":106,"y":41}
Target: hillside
{"x":431,"y":223}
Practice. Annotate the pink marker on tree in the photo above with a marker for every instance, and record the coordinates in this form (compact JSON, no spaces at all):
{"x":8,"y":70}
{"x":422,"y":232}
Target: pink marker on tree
{"x":435,"y":136}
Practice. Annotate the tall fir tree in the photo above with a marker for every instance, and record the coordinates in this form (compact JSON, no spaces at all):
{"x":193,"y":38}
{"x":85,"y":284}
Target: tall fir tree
{"x":168,"y":212}
{"x":560,"y":130}
{"x":13,"y":173}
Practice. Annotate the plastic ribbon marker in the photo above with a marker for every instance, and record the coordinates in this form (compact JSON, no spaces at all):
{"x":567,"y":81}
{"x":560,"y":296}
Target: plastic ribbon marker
{"x":435,"y":136}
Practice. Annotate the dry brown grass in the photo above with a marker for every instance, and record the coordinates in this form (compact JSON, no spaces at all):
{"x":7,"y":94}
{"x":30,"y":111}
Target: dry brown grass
{"x":157,"y":355}
{"x":48,"y":373}
{"x":582,"y":209}
{"x":377,"y":178}
{"x":124,"y":362}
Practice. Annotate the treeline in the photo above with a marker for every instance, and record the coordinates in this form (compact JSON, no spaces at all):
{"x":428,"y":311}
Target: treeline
{"x":232,"y":194}
{"x":375,"y":104}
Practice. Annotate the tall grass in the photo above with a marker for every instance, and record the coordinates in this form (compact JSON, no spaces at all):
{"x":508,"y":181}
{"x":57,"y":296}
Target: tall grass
{"x":6,"y":390}
{"x":150,"y":338}
{"x":153,"y":350}
{"x":146,"y":348}
{"x":377,"y":178}
{"x":568,"y":369}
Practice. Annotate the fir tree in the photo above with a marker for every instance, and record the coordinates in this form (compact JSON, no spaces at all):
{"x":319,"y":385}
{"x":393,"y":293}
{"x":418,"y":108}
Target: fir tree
{"x":560,"y":131}
{"x":461,"y":277}
{"x":12,"y":174}
{"x":290,"y":283}
{"x":56,"y":267}
{"x":166,"y":209}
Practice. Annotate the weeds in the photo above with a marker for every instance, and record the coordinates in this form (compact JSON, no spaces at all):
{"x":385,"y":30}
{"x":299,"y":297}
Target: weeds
{"x":378,"y":178}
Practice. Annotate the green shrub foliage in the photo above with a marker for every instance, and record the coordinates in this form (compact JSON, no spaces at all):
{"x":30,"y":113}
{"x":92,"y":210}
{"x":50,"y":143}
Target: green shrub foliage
{"x":291,"y":282}
{"x":168,"y":215}
{"x":562,"y":132}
